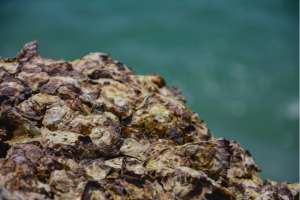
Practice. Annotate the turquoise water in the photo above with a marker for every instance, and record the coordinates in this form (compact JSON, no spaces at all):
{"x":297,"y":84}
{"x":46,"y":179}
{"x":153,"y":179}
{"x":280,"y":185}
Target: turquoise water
{"x":236,"y":62}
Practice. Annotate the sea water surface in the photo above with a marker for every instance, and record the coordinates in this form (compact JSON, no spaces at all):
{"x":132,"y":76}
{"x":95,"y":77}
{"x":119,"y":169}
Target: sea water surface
{"x":236,"y":62}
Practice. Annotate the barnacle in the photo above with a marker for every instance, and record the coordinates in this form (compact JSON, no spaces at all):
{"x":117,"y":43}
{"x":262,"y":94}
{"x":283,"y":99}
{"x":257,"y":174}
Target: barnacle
{"x":91,"y":129}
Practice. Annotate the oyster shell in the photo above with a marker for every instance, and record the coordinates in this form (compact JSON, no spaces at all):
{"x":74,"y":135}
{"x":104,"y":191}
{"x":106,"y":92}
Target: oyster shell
{"x":91,"y":129}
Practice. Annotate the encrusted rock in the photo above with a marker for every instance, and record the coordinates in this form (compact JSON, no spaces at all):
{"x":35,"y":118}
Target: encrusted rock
{"x":91,"y":129}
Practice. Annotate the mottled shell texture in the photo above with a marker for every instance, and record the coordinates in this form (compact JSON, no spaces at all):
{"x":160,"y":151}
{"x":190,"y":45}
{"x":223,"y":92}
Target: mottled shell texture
{"x":91,"y":129}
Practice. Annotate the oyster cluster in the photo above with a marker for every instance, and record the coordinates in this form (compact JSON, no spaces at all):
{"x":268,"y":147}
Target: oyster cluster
{"x":91,"y":129}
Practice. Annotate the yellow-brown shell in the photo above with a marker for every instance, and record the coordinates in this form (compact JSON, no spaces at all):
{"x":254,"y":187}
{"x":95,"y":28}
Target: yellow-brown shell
{"x":91,"y":129}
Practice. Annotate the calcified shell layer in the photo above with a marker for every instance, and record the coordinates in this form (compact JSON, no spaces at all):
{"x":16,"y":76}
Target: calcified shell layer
{"x":91,"y":129}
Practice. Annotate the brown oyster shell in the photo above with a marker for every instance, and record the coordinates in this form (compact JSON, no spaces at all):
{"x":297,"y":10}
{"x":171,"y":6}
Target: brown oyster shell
{"x":91,"y":129}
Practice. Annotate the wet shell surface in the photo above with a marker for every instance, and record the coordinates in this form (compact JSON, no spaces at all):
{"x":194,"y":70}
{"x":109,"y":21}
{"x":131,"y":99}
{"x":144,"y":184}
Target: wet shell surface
{"x":91,"y":129}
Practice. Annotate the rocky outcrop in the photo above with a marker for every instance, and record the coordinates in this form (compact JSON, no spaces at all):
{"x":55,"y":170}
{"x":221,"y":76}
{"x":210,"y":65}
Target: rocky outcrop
{"x":91,"y":129}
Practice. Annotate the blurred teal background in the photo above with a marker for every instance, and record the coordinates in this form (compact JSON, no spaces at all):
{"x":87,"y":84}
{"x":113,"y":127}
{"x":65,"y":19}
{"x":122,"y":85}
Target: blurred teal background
{"x":236,"y":62}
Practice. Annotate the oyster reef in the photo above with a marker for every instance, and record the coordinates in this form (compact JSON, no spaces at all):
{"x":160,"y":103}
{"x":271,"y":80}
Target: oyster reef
{"x":91,"y":129}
